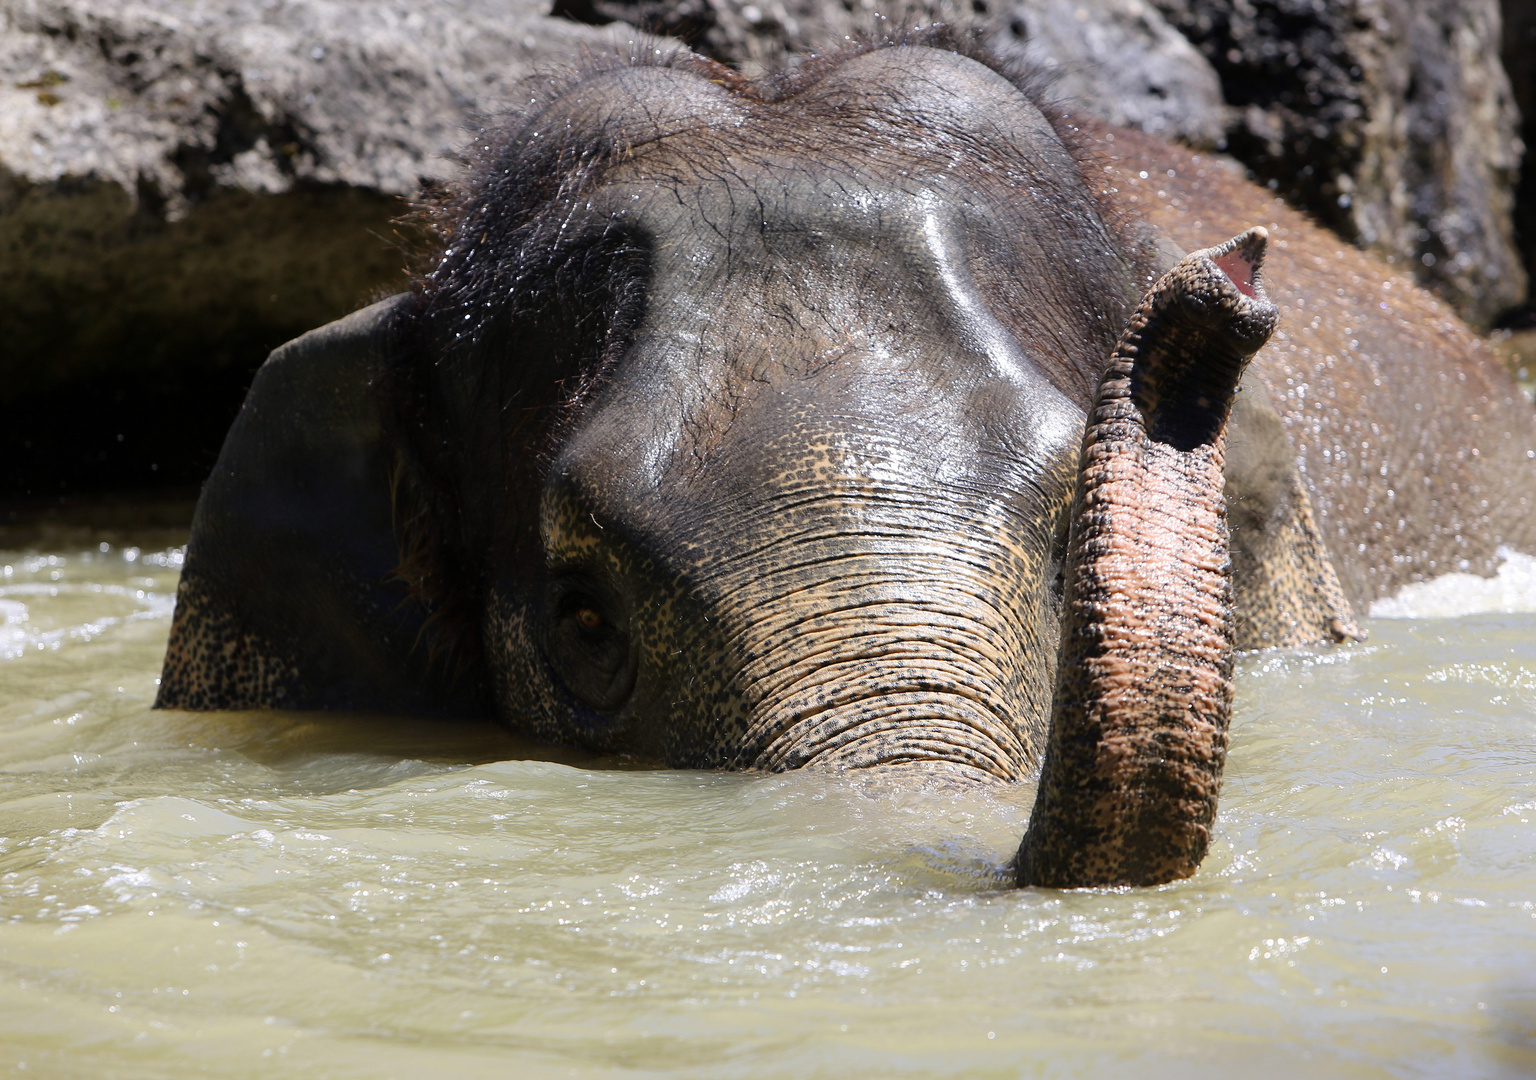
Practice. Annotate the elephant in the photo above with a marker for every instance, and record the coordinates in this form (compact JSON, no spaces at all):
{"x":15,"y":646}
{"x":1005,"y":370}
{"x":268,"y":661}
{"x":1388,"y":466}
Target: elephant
{"x":882,"y":415}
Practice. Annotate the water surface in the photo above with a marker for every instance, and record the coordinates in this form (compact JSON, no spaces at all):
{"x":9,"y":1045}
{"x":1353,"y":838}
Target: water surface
{"x":269,"y":894}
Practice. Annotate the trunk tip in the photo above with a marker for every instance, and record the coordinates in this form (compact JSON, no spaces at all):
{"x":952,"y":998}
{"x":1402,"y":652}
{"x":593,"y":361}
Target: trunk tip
{"x":1241,"y":258}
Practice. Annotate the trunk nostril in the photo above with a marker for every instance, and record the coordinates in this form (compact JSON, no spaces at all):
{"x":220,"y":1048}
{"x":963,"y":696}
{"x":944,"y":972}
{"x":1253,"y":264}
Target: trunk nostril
{"x":1241,"y":264}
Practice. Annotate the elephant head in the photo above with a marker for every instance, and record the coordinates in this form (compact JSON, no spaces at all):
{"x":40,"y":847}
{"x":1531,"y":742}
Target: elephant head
{"x":832,"y":422}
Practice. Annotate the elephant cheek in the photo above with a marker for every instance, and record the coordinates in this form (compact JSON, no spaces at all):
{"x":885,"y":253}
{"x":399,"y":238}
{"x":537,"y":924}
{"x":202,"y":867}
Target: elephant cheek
{"x":527,"y":699}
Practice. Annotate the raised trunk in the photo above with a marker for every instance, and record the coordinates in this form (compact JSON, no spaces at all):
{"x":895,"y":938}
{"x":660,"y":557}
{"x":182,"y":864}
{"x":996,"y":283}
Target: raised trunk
{"x":1144,"y":684}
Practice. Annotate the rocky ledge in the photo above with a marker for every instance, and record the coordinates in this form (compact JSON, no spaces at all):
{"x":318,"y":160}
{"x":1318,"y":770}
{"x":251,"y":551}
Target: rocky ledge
{"x":185,"y":184}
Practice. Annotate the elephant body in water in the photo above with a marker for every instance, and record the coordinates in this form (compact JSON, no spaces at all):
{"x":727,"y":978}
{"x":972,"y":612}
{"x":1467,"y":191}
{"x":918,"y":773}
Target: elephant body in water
{"x":876,"y":417}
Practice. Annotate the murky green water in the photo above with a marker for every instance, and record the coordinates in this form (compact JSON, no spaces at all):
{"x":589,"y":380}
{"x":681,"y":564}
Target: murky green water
{"x":267,"y":894}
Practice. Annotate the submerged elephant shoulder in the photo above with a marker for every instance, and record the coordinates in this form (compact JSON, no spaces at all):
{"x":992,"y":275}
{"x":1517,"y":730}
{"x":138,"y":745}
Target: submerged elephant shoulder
{"x":1383,"y":392}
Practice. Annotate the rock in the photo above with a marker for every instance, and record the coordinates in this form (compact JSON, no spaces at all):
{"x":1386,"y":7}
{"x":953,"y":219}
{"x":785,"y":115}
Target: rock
{"x":1117,"y":59}
{"x":1392,"y":121}
{"x":185,"y":184}
{"x":1520,"y":64}
{"x":173,"y":100}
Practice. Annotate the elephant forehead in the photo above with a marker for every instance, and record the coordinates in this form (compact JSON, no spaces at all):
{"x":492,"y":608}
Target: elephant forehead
{"x":692,"y":162}
{"x":915,"y":102}
{"x":850,"y":154}
{"x":873,"y":282}
{"x":635,"y":106}
{"x":938,"y":99}
{"x":801,"y":265}
{"x":852,"y":315}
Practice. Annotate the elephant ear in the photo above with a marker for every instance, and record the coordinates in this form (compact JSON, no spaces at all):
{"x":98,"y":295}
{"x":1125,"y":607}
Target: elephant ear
{"x":1287,"y":592}
{"x":289,"y":596}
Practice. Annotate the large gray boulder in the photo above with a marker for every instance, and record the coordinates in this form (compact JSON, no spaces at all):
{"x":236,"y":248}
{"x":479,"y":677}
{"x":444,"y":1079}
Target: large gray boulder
{"x":173,"y":99}
{"x":1117,"y":59}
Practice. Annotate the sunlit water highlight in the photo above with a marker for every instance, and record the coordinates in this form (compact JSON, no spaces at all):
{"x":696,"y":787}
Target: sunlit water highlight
{"x":281,"y":894}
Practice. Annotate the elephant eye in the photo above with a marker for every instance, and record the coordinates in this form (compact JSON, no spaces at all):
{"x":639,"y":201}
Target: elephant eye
{"x":589,"y":649}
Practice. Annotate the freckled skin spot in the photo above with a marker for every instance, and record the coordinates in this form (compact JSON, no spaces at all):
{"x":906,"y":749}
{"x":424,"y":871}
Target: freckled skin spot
{"x":212,"y":662}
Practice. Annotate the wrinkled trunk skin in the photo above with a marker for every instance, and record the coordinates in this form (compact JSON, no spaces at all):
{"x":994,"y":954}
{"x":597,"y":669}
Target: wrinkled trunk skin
{"x":1143,"y":693}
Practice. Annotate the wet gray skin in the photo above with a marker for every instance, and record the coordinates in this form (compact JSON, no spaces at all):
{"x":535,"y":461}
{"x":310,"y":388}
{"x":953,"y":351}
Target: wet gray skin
{"x":736,"y":430}
{"x":815,"y":504}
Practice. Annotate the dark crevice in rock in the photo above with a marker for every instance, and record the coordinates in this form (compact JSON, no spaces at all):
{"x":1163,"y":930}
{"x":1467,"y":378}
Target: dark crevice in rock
{"x":690,"y":21}
{"x":121,"y":431}
{"x":1285,"y":67}
{"x":239,"y":127}
{"x":1520,"y":63}
{"x":158,"y":343}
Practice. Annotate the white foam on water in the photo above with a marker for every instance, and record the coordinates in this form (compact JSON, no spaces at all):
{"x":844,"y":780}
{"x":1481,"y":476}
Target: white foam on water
{"x":1511,"y":590}
{"x":13,"y":632}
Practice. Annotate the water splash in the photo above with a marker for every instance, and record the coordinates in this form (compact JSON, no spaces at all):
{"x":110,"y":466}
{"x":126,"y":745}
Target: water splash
{"x":1511,"y":591}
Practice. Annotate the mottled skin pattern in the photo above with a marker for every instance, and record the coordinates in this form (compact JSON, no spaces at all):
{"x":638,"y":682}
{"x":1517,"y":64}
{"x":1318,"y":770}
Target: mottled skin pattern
{"x":1144,"y":685}
{"x":737,"y":425}
{"x":213,"y":662}
{"x":1290,"y":588}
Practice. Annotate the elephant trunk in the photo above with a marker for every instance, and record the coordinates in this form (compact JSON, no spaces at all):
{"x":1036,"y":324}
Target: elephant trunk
{"x":1143,"y":690}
